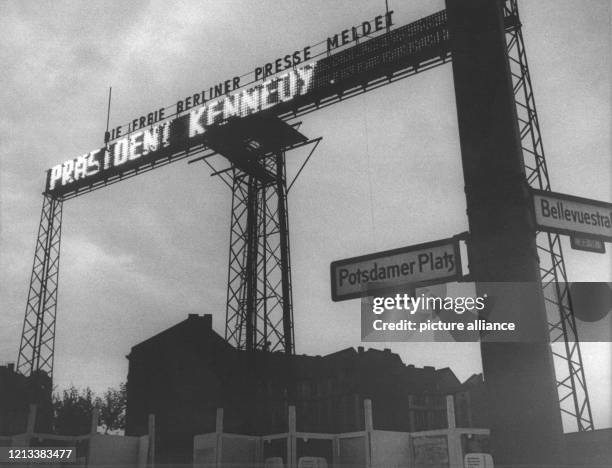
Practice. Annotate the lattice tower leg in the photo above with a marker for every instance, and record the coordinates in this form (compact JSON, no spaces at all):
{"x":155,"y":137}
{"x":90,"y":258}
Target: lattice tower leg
{"x":569,"y":370}
{"x":259,"y":304}
{"x":38,"y":335}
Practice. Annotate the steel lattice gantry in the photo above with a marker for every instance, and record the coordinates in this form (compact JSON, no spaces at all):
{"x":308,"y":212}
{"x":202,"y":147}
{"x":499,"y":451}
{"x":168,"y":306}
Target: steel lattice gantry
{"x":259,"y":304}
{"x":38,"y":335}
{"x":259,"y":214}
{"x":259,"y":313}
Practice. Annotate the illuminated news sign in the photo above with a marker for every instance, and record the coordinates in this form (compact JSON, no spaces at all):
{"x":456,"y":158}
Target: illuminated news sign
{"x":155,"y":137}
{"x":139,"y":146}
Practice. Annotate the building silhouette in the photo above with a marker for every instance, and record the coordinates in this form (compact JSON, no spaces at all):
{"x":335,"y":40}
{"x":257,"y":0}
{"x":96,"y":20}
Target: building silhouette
{"x":183,"y":374}
{"x":17,"y":393}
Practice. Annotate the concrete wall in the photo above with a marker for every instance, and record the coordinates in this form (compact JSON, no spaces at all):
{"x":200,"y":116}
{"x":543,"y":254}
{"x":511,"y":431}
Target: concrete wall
{"x":229,"y":449}
{"x":431,"y":450}
{"x":239,"y":451}
{"x":20,"y":440}
{"x":205,"y":450}
{"x":440,"y":448}
{"x":113,"y":450}
{"x":370,"y":448}
{"x":98,"y":449}
{"x":391,"y":449}
{"x":352,"y":452}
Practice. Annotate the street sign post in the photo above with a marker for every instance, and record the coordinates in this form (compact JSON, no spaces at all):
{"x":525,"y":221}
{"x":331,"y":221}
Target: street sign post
{"x":418,"y":265}
{"x":587,"y":244}
{"x":574,"y":216}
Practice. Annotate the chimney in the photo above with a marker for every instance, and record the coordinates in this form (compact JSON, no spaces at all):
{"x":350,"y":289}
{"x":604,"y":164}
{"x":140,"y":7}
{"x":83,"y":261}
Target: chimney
{"x":207,"y":321}
{"x":11,"y":367}
{"x":360,"y":349}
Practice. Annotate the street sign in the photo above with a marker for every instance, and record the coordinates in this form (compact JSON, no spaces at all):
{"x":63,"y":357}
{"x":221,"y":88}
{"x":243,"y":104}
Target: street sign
{"x":589,"y":245}
{"x":566,"y":214}
{"x":417,"y":265}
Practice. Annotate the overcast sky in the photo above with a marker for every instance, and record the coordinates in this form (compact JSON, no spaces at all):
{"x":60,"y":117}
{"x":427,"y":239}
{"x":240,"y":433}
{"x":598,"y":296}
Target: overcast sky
{"x":138,"y":256}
